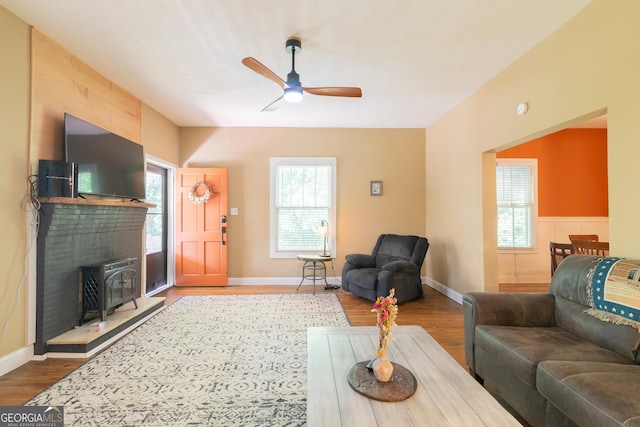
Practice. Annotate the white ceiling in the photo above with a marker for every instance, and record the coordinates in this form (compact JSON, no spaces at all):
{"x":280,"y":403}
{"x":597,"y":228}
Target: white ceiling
{"x":413,"y":59}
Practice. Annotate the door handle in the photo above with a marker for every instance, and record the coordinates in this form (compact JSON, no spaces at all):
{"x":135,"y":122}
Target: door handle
{"x":224,"y":230}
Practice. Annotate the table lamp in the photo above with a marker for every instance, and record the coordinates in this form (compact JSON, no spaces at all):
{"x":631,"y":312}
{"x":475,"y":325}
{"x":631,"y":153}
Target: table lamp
{"x":324,"y":230}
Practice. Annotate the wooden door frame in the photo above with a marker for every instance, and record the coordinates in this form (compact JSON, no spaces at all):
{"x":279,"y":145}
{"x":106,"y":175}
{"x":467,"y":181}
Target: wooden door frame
{"x":171,"y":220}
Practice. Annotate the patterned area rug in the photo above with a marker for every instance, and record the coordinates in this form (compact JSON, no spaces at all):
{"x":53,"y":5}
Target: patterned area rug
{"x":203,"y":361}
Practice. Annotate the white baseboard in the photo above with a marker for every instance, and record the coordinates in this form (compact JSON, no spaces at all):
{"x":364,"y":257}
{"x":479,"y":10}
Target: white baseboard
{"x":257,"y":281}
{"x":16,"y":359}
{"x":264,"y":281}
{"x":443,"y":289}
{"x":295,"y":281}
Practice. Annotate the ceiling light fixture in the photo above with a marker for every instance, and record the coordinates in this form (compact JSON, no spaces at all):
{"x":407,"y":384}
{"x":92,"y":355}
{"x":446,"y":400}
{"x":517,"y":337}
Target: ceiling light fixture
{"x":293,"y":94}
{"x":293,"y":89}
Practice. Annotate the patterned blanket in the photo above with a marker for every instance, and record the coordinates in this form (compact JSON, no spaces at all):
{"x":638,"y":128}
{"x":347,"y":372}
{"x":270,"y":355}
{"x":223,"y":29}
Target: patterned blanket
{"x":615,"y":291}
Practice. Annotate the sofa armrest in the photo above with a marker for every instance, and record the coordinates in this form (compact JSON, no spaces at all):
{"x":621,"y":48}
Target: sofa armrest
{"x":361,"y":260}
{"x":510,"y":308}
{"x":400,"y":267}
{"x":522,"y":309}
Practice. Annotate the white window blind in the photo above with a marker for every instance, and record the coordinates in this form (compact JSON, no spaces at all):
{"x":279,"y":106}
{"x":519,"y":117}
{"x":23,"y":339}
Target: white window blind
{"x":515,"y":185}
{"x":302,"y":198}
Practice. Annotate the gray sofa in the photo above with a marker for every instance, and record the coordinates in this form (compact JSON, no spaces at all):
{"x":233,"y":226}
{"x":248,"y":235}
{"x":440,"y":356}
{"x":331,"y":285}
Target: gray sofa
{"x":550,"y":361}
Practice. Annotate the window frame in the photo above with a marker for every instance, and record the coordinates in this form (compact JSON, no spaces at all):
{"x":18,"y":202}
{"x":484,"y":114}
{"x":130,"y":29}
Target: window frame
{"x":533,"y":163}
{"x":274,"y":163}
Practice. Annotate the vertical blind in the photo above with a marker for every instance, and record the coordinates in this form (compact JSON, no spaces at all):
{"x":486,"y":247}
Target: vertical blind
{"x":302,"y":202}
{"x":515,"y":194}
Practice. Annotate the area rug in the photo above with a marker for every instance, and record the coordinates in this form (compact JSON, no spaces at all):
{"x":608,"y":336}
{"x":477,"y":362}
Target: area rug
{"x":204,"y":361}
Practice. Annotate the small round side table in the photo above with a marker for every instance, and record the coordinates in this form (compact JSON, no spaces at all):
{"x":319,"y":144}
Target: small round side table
{"x":314,"y":268}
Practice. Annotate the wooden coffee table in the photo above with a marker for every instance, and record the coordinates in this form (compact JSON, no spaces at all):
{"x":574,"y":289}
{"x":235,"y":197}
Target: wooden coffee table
{"x":446,"y":394}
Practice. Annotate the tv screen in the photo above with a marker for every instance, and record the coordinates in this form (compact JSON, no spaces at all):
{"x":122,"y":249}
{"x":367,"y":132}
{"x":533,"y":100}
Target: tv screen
{"x":108,"y":165}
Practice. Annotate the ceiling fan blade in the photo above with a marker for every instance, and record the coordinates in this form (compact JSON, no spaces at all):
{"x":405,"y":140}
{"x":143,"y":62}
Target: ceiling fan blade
{"x":353,"y":92}
{"x":274,"y":105}
{"x":259,"y":68}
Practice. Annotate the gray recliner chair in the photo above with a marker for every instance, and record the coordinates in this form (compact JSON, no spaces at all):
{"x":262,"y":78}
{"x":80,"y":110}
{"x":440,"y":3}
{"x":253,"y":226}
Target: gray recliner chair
{"x":395,"y":263}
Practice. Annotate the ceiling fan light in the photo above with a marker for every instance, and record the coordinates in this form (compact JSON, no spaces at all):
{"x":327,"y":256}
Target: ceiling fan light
{"x":293,"y":94}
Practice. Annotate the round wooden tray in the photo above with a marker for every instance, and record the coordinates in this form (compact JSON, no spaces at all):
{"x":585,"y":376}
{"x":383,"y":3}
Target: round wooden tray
{"x":402,"y":385}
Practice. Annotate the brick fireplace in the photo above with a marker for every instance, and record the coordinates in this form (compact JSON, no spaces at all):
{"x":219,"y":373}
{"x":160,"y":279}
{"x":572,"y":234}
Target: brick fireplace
{"x":75,"y":233}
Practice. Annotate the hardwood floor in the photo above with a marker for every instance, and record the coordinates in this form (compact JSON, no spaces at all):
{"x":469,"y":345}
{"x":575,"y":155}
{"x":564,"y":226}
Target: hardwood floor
{"x":437,"y":314}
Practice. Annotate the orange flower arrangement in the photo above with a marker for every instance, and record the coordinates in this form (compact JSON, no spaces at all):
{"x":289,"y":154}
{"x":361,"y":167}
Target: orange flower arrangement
{"x":386,"y":309}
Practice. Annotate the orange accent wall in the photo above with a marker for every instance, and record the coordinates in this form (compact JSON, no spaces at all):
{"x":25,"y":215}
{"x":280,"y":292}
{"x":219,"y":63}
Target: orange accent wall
{"x":572,"y":172}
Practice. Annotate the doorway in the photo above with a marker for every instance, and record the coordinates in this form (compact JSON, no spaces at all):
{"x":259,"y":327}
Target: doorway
{"x":157,"y":222}
{"x":572,"y":195}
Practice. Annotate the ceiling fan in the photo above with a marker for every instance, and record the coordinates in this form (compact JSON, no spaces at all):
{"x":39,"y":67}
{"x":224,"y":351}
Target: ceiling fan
{"x":293,"y":89}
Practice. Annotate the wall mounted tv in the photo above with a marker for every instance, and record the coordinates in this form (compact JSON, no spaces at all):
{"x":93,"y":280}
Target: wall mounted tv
{"x":108,"y":165}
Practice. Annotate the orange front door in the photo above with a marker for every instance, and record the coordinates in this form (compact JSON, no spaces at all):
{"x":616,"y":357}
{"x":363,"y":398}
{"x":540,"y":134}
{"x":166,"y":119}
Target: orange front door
{"x":201,"y":238}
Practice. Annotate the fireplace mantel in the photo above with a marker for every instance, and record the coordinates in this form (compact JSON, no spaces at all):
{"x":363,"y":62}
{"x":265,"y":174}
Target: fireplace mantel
{"x":95,"y":202}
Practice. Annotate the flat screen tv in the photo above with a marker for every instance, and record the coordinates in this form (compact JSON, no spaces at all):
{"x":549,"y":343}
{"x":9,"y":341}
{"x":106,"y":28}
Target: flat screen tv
{"x":108,"y":164}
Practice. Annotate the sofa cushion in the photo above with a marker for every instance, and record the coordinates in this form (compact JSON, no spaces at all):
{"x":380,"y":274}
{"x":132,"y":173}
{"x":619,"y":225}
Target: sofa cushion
{"x":592,"y":393}
{"x":365,"y":278}
{"x":570,"y":286}
{"x":392,"y":247}
{"x":571,"y":278}
{"x":519,"y":350}
{"x":361,"y":260}
{"x":573,"y":318}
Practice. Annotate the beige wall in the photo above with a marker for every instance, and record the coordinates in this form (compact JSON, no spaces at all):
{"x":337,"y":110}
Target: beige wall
{"x":160,"y":137}
{"x":14,"y":134}
{"x":394,"y":156}
{"x":585,"y":68}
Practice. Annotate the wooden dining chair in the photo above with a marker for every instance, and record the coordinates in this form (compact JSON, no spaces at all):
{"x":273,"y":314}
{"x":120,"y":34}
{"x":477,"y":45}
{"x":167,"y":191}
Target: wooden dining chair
{"x":583,"y":247}
{"x":584,"y":237}
{"x":559,"y":251}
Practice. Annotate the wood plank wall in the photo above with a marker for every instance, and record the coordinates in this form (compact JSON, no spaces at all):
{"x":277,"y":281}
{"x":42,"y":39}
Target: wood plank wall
{"x":61,"y":83}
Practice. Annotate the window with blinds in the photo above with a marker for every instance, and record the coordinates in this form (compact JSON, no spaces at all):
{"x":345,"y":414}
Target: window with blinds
{"x":302,"y":197}
{"x":516,"y":196}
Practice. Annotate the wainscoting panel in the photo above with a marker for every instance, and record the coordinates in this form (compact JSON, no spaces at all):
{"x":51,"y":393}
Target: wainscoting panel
{"x":534,"y":266}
